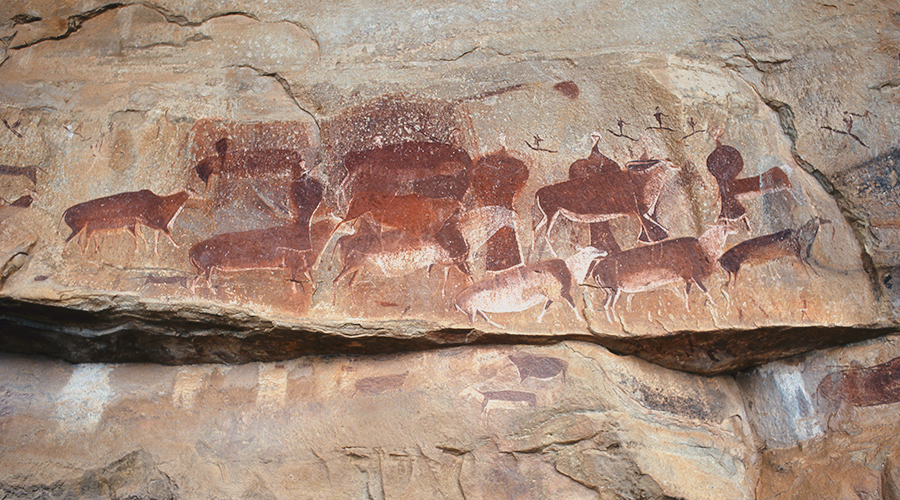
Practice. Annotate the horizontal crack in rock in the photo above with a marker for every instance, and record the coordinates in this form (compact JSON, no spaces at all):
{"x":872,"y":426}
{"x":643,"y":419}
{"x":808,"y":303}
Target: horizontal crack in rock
{"x":76,"y":22}
{"x":111,"y":334}
{"x":890,"y":84}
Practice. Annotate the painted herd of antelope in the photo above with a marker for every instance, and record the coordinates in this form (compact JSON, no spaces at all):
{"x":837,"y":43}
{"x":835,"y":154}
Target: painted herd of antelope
{"x":417,"y":205}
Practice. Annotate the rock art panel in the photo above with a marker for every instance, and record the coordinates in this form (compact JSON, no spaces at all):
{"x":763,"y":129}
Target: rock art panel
{"x":547,"y":421}
{"x":440,"y":214}
{"x":827,"y":420}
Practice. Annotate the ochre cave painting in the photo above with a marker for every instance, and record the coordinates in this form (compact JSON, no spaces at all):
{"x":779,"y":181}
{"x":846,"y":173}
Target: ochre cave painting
{"x":538,"y":367}
{"x":632,"y":192}
{"x":650,"y":267}
{"x":497,"y":181}
{"x":11,"y":173}
{"x":785,"y":243}
{"x":417,"y":204}
{"x":127,"y":210}
{"x":283,"y":247}
{"x":431,"y":170}
{"x":29,"y":172}
{"x":865,"y":386}
{"x":405,"y":202}
{"x":517,"y":398}
{"x":518,"y":289}
{"x":381,"y":384}
{"x":246,"y":170}
{"x":252,"y":164}
{"x":725,"y":163}
{"x":23,"y":201}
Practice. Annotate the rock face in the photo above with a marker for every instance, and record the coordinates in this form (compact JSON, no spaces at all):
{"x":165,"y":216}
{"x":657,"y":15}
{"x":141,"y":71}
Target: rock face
{"x":568,"y":421}
{"x":303,"y":176}
{"x":407,"y":250}
{"x":829,"y":422}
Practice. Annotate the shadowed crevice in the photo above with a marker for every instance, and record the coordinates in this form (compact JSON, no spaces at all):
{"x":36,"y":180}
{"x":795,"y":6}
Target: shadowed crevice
{"x":112,"y":336}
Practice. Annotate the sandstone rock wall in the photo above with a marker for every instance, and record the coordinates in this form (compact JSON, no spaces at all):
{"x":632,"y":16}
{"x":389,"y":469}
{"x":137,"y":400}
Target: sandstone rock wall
{"x":402,"y":237}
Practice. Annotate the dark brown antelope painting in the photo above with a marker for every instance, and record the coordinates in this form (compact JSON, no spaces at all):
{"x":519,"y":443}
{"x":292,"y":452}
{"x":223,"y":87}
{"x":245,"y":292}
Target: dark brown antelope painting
{"x":865,"y":386}
{"x":631,"y":192}
{"x":497,"y":181}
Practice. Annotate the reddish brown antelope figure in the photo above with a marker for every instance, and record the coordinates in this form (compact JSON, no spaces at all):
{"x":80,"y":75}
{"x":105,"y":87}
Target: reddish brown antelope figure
{"x":602,"y":197}
{"x":23,"y":201}
{"x":641,"y":269}
{"x":601,"y":232}
{"x":412,"y":213}
{"x":643,"y":179}
{"x":125,"y":211}
{"x":497,"y":180}
{"x":393,"y":253}
{"x":430,"y":169}
{"x":598,"y":190}
{"x":235,"y":163}
{"x":7,"y":210}
{"x":864,"y":386}
{"x":283,"y":247}
{"x":725,"y":163}
{"x":785,"y":243}
{"x":539,"y":367}
{"x":29,"y":171}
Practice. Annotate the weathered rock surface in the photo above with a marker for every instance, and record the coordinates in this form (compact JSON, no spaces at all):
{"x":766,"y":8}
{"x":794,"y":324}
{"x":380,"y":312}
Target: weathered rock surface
{"x":399,"y":185}
{"x":827,"y":422}
{"x":567,"y":421}
{"x":364,"y":179}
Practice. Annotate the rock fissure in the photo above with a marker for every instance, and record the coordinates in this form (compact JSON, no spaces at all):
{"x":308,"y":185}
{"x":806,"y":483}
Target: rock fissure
{"x":460,"y":55}
{"x":197,"y":37}
{"x":888,"y":84}
{"x":73,"y":24}
{"x":282,"y":81}
{"x":309,"y":33}
{"x":182,"y":20}
{"x":856,"y":218}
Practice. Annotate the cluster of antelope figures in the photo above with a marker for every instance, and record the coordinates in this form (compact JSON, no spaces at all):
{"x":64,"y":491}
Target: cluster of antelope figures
{"x":416,"y":205}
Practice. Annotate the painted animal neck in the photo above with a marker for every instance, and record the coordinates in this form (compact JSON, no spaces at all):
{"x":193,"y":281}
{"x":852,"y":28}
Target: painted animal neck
{"x":712,"y":241}
{"x":579,"y":262}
